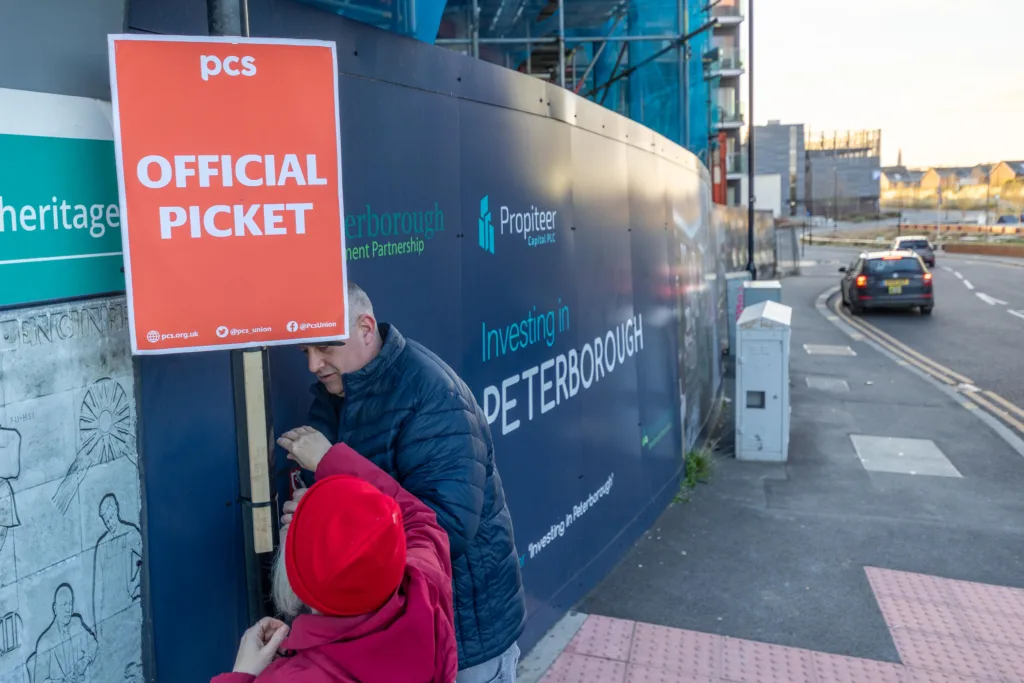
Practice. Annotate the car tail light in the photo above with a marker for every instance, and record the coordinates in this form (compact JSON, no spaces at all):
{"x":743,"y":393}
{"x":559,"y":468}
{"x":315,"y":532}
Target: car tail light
{"x":862,"y":280}
{"x":928,"y":277}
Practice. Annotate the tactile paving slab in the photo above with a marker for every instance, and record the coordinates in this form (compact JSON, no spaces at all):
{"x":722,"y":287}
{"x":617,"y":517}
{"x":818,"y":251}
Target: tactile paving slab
{"x":1008,"y":661}
{"x":946,"y":655}
{"x":908,"y":586}
{"x":574,"y":668}
{"x":919,"y":676}
{"x":686,"y":652}
{"x":984,"y":598}
{"x":745,"y":661}
{"x":838,"y":669}
{"x":1002,"y":629}
{"x":646,"y":674}
{"x":927,"y":617}
{"x":946,"y":631}
{"x":603,"y":637}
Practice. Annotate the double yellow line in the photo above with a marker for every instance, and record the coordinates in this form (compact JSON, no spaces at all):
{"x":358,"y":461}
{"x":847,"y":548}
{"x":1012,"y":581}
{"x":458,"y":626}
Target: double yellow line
{"x":971,"y":396}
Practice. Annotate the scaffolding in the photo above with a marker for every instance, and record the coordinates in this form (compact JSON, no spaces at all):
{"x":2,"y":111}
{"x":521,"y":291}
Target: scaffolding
{"x":644,"y":60}
{"x":842,"y":173}
{"x":651,"y":61}
{"x":845,"y":144}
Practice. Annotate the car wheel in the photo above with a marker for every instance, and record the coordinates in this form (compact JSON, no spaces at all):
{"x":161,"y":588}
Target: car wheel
{"x":926,"y":310}
{"x":856,"y":310}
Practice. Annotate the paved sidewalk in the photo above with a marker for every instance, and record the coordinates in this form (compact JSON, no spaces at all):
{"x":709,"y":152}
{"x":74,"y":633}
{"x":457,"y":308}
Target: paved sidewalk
{"x":792,"y":555}
{"x":944,"y":630}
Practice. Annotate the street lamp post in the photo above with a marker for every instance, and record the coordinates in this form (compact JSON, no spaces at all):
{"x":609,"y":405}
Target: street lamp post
{"x":750,"y":144}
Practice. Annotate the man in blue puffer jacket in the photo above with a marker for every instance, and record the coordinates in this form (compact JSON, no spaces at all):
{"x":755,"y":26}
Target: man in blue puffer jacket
{"x":402,"y":407}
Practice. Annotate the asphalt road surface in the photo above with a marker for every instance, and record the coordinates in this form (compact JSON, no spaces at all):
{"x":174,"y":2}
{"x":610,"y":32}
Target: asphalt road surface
{"x":977,"y":327}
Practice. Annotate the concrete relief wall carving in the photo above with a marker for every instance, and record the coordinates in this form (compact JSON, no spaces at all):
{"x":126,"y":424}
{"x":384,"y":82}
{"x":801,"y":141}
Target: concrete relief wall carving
{"x":71,"y":556}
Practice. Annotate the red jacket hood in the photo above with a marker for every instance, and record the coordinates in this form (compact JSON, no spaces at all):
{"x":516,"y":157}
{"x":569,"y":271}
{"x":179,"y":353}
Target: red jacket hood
{"x":411,"y":639}
{"x":407,"y":640}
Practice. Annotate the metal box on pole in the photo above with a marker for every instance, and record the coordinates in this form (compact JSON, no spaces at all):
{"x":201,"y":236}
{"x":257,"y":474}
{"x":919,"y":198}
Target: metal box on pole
{"x":762,"y":382}
{"x":734,"y":293}
{"x":761,"y":290}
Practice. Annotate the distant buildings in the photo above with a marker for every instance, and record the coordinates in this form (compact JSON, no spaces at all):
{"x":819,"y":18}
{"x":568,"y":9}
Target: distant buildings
{"x":1006,"y":171}
{"x":895,"y":177}
{"x":833,"y":175}
{"x":779,"y":151}
{"x":964,"y":187}
{"x":843,"y":173}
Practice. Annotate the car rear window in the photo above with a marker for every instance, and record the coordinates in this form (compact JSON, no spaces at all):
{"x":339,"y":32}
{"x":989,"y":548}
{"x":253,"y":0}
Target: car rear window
{"x":892,"y":267}
{"x":914,"y":244}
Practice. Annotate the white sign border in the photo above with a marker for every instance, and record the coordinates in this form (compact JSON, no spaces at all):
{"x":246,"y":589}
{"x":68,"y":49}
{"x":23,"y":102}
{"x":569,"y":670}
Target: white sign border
{"x":112,"y":40}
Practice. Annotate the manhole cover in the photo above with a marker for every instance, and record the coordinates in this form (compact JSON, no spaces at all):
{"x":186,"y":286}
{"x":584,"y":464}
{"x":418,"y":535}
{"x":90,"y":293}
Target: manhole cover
{"x":902,"y":456}
{"x":827,"y":384}
{"x":828,"y":350}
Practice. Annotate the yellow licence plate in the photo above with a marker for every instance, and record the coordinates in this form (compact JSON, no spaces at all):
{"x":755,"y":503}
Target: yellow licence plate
{"x":896,"y":286}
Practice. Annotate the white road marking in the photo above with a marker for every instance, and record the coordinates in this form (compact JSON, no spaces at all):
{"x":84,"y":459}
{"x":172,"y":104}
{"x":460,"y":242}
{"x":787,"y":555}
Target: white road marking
{"x":1017,"y":313}
{"x":968,"y":285}
{"x":947,"y":269}
{"x":958,"y":275}
{"x":991,"y":301}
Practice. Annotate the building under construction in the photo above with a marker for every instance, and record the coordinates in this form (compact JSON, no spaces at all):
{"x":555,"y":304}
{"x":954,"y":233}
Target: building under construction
{"x":842,"y":173}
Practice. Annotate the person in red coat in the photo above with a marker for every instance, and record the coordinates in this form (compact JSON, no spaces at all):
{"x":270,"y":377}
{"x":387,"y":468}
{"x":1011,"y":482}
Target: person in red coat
{"x":366,"y":574}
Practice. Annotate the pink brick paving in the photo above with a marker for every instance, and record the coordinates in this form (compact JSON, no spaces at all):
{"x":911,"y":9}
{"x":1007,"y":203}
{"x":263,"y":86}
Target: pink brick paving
{"x":945,"y":631}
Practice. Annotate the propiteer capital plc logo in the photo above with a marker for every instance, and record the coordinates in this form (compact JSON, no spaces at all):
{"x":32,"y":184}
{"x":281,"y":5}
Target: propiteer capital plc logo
{"x":485,"y":225}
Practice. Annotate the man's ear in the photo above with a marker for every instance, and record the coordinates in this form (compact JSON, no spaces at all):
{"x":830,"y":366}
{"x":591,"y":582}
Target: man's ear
{"x":367,"y":326}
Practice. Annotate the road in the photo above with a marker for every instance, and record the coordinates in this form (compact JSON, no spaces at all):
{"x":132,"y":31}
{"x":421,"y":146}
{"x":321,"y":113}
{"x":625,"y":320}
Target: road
{"x":977,"y":325}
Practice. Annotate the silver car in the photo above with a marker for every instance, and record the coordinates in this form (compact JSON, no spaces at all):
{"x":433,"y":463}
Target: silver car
{"x":917,"y":244}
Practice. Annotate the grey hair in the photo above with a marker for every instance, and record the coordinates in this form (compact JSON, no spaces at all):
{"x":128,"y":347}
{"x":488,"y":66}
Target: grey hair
{"x":285,"y":599}
{"x":358,"y":304}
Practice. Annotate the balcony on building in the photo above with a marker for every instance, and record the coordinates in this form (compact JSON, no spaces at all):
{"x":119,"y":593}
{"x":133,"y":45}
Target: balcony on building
{"x":735,"y":165}
{"x":729,"y":117}
{"x":728,"y":65}
{"x":728,"y":13}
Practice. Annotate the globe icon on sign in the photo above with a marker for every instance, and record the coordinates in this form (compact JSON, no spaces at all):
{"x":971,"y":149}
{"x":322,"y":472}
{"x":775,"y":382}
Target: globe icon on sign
{"x":152,"y":336}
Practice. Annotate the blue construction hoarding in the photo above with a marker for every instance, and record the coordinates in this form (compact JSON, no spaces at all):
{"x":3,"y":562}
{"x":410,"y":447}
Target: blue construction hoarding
{"x":562,"y":259}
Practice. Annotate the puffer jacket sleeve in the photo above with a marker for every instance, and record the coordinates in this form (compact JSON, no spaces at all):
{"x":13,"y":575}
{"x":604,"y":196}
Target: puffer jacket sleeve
{"x":441,"y":457}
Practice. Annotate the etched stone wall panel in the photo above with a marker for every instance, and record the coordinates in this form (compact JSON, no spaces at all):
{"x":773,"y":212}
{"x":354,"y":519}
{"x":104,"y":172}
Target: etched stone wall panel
{"x":46,"y":536}
{"x":47,"y":428}
{"x":70,"y":540}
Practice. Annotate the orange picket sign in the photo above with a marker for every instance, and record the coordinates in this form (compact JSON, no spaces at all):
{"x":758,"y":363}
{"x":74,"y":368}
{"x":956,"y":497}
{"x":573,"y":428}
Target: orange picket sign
{"x":229,"y":165}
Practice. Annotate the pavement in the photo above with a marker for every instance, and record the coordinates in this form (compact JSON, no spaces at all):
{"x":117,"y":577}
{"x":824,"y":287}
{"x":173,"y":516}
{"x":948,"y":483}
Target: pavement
{"x":892,"y":536}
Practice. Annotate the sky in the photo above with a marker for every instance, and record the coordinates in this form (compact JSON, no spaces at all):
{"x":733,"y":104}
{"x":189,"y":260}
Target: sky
{"x":943,"y":79}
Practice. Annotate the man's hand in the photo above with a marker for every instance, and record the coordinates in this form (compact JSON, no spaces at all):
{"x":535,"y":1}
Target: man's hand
{"x":259,"y":646}
{"x":288,"y":509}
{"x":306,"y":446}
